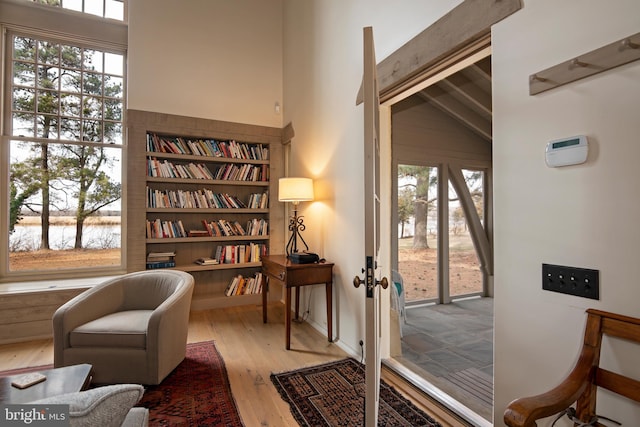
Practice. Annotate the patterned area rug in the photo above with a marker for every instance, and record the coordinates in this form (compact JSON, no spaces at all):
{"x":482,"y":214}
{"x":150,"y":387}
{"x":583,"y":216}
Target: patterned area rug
{"x":332,"y":394}
{"x":196,"y":393}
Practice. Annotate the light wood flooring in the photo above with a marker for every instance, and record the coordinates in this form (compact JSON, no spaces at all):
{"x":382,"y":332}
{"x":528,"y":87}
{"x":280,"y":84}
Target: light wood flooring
{"x":251,"y":351}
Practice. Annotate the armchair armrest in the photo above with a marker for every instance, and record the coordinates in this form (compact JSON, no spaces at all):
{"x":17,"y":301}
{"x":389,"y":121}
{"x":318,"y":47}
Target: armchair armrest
{"x":168,"y":327}
{"x":525,"y":411}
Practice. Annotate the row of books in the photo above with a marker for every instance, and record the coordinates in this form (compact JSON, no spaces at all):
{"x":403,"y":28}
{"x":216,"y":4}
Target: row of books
{"x":258,"y":201}
{"x":244,"y":172}
{"x":240,"y":285}
{"x":158,"y":229}
{"x":222,"y":227}
{"x":206,"y":147}
{"x":204,"y":198}
{"x":240,"y":254}
{"x":161,"y":260}
{"x":167,"y":169}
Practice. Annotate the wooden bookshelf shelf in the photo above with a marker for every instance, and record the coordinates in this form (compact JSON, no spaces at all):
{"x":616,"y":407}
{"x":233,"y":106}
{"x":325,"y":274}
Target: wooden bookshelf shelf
{"x":208,"y":210}
{"x":204,"y":158}
{"x":167,"y":240}
{"x":196,"y":267}
{"x":207,"y":181}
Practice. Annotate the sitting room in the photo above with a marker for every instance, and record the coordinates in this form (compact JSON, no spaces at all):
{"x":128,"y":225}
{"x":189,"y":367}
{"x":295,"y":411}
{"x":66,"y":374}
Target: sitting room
{"x":180,"y":182}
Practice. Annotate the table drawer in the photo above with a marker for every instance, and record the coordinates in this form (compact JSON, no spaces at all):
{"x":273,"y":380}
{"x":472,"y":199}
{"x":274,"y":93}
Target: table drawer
{"x":275,"y":270}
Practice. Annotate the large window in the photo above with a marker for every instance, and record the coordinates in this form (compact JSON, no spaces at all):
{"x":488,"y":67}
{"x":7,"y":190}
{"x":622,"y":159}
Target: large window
{"x":113,"y":9}
{"x":65,"y":150}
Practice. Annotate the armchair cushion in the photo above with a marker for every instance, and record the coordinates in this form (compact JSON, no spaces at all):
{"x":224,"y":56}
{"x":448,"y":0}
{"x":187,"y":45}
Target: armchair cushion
{"x":120,"y":329}
{"x":103,"y":406}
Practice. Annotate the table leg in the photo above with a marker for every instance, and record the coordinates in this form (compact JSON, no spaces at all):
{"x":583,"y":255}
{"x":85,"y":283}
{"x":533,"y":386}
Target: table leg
{"x":297,"y":302}
{"x":264,"y":298}
{"x":287,"y":317}
{"x":329,"y":289}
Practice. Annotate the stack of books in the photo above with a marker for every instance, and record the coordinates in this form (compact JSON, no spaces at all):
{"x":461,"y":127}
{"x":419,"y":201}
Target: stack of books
{"x":207,"y":261}
{"x":161,"y":260}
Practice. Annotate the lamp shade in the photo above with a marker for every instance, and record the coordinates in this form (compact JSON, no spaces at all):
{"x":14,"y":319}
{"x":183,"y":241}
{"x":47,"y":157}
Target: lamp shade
{"x":295,"y":190}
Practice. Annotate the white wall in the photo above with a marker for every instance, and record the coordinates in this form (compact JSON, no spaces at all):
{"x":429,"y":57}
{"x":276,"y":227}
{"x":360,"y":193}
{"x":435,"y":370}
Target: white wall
{"x":213,"y":59}
{"x":584,"y":216}
{"x":323,"y":42}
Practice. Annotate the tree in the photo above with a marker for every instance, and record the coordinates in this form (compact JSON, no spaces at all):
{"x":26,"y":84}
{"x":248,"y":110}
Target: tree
{"x":424,"y":178}
{"x":90,"y":185}
{"x":405,"y":207}
{"x":22,"y":186}
{"x":45,"y":105}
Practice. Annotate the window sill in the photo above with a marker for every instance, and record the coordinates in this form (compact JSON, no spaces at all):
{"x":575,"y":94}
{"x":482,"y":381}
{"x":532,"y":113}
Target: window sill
{"x":51,"y":285}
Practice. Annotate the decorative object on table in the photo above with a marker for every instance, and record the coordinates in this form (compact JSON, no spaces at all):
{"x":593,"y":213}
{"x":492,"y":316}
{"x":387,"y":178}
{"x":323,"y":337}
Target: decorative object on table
{"x":333,"y":394}
{"x":27,"y":380}
{"x":295,"y":190}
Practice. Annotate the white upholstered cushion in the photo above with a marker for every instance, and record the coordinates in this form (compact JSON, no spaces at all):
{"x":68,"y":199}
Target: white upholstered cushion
{"x":106,"y":406}
{"x":119,"y":329}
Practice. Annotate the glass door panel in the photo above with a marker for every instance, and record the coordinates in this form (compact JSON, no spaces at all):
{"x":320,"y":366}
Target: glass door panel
{"x":465,"y":274}
{"x":418,"y":232}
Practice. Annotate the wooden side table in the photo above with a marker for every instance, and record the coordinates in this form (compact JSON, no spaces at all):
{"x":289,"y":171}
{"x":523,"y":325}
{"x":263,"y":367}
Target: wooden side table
{"x":279,"y":268}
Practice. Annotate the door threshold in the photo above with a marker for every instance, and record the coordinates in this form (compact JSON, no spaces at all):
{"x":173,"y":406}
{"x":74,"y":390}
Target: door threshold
{"x":442,"y":398}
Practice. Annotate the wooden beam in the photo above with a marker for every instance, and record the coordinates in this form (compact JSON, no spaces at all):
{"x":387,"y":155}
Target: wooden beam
{"x":478,"y":75}
{"x":288,"y":133}
{"x":454,"y":108}
{"x":475,"y":96}
{"x":464,"y":25}
{"x":476,"y":230}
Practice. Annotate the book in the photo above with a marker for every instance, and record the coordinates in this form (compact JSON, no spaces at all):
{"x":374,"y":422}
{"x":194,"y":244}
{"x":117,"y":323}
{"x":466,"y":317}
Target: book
{"x":160,"y":254}
{"x":27,"y":380}
{"x":232,"y":286}
{"x":160,"y":264}
{"x":207,"y":261}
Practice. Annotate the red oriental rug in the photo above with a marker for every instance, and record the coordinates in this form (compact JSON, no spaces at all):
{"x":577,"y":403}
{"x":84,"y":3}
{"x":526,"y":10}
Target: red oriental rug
{"x":196,"y":393}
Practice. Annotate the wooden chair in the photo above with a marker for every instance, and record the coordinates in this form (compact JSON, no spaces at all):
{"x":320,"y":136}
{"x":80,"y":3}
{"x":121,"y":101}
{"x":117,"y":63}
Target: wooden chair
{"x":580,"y":386}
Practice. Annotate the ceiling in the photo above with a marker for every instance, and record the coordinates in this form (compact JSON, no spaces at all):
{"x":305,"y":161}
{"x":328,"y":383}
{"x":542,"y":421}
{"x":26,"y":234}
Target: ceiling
{"x":466,"y":97}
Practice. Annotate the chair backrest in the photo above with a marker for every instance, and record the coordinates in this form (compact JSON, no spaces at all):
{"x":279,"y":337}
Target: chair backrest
{"x":148,"y":289}
{"x":600,"y":323}
{"x":581,"y":385}
{"x":398,"y":281}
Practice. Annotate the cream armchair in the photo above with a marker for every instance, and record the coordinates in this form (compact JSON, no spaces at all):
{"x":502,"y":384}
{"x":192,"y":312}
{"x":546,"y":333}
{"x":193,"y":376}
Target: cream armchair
{"x":132,"y":329}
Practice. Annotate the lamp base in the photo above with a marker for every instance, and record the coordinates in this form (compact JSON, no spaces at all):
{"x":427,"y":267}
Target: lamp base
{"x":296,"y":225}
{"x":303,"y":258}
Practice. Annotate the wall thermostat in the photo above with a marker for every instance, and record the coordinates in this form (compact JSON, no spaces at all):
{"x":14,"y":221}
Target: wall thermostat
{"x":567,"y":151}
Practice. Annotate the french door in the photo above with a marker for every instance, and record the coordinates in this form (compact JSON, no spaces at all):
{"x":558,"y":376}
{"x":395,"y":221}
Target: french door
{"x":372,"y":231}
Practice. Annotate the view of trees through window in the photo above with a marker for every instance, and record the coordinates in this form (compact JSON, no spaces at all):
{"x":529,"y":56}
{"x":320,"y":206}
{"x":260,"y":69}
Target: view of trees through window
{"x":418,"y":234}
{"x":65,"y":156}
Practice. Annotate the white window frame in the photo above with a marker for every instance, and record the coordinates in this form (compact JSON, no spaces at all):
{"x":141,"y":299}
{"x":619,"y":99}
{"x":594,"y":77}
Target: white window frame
{"x":50,"y":23}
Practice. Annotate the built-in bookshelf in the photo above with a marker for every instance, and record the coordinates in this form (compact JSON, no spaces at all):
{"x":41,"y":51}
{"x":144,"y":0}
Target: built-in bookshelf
{"x":206,"y":194}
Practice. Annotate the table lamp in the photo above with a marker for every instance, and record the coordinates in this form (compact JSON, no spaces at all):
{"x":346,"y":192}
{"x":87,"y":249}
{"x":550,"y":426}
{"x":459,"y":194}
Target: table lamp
{"x":295,"y":190}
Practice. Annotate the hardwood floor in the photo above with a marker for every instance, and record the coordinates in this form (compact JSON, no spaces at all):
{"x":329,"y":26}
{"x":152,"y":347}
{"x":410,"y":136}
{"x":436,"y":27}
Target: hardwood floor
{"x":252,"y":351}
